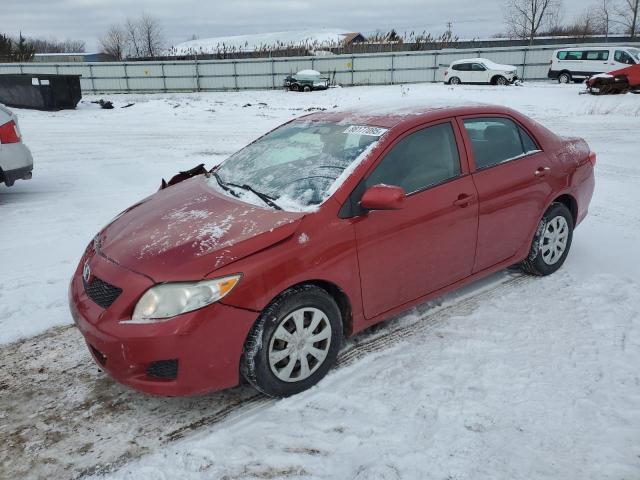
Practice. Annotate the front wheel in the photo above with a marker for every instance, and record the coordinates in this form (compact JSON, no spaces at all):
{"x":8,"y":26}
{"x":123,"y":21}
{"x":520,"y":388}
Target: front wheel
{"x":551,"y":243}
{"x":500,"y":80}
{"x":294,"y":342}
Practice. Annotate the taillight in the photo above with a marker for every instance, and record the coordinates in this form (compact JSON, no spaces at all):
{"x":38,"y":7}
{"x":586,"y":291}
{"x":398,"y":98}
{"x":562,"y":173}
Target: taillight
{"x":9,"y":133}
{"x":446,"y":72}
{"x":592,"y":158}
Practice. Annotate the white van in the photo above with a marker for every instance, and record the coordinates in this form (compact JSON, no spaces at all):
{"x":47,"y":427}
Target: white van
{"x":577,"y":63}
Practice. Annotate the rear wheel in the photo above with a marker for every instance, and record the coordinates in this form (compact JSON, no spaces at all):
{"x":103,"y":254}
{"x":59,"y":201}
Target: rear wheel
{"x":564,"y":77}
{"x":306,"y":88}
{"x":552,"y":241}
{"x":294,"y":342}
{"x":454,"y":81}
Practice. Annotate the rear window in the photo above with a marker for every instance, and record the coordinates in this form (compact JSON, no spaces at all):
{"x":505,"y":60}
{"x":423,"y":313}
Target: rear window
{"x":462,"y":67}
{"x":497,"y":140}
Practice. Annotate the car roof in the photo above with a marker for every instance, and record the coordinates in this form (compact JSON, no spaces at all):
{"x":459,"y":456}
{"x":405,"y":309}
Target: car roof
{"x":591,"y":47}
{"x":476,"y":59}
{"x":389,"y":116}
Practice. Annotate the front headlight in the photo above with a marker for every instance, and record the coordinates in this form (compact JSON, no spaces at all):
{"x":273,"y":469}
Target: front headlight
{"x":170,"y":299}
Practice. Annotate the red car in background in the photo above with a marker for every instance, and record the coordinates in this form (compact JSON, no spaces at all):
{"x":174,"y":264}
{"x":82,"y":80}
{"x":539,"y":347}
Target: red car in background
{"x":321,"y":228}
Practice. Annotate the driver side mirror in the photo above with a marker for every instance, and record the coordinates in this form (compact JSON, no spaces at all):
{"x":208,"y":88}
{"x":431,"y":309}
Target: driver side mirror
{"x":383,"y":197}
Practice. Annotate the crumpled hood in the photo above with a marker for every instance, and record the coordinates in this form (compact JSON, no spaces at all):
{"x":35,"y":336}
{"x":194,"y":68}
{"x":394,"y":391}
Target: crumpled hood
{"x":188,"y":230}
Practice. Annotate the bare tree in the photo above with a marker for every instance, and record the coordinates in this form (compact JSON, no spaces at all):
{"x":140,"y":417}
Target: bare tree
{"x":627,"y":16}
{"x":526,"y":18}
{"x":134,"y":43}
{"x":151,"y":36}
{"x":114,"y":42}
{"x":53,"y":45}
{"x":586,"y":24}
{"x":74,"y":46}
{"x":604,"y":12}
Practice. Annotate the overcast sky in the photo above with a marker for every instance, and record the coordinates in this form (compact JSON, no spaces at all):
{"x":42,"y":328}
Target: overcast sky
{"x":88,"y":19}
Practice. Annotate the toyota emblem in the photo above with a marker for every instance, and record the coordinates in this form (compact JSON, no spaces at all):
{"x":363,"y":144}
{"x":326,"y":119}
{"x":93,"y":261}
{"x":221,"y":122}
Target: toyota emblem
{"x":86,"y":272}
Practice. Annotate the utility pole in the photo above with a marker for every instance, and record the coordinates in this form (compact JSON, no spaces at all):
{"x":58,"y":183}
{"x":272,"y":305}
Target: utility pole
{"x":449,"y":27}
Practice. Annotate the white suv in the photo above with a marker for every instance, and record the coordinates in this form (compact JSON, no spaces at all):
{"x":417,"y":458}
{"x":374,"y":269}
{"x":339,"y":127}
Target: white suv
{"x":577,"y":63}
{"x":480,"y":71}
{"x":16,"y":162}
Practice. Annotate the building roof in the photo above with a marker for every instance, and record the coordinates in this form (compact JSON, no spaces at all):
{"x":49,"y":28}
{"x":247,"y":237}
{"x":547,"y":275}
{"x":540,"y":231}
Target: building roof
{"x":64,"y":54}
{"x":310,"y":39}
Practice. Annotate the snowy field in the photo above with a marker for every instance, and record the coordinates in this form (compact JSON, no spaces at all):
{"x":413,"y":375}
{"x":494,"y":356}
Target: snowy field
{"x":514,"y":378}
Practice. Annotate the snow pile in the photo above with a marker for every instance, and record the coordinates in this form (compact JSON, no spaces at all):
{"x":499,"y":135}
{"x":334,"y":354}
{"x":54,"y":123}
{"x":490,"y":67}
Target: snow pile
{"x":499,"y":391}
{"x":308,"y":73}
{"x":265,"y":41}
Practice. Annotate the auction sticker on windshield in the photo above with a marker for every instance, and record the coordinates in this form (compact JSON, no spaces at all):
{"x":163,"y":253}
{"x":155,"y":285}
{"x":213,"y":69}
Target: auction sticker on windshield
{"x":366,"y":130}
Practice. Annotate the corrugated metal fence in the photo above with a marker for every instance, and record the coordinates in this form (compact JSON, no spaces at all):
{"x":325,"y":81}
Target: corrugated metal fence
{"x":208,"y":75}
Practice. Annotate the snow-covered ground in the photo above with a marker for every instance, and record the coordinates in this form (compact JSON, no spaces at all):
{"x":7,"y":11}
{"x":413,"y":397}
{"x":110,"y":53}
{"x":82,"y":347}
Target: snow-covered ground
{"x":515,"y":378}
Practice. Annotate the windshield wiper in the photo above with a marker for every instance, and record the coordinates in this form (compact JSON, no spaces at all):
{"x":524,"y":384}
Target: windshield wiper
{"x":224,"y":186}
{"x":265,"y":198}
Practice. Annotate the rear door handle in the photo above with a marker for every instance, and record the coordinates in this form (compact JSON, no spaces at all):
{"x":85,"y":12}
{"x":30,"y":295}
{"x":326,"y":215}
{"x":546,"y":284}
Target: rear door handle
{"x":541,"y":172}
{"x":464,"y":200}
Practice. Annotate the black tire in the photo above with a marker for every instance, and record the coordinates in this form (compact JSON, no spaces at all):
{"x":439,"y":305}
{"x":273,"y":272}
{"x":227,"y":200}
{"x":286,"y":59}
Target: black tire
{"x":294,"y":87}
{"x":564,"y":78}
{"x":255,"y":365}
{"x":535,"y":263}
{"x":455,"y":81}
{"x":306,"y":88}
{"x":500,"y":80}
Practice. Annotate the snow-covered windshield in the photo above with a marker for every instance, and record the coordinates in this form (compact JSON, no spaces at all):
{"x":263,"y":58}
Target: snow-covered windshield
{"x":298,"y":165}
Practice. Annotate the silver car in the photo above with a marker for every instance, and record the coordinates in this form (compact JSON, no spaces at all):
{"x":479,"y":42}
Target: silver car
{"x":16,"y":162}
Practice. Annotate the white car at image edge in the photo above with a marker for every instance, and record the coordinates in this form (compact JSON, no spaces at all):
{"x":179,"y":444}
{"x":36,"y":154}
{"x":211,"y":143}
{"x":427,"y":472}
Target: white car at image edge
{"x":16,"y":162}
{"x":480,"y":71}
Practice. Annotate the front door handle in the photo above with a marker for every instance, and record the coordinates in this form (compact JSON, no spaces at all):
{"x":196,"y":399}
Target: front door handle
{"x":541,"y":172}
{"x":464,"y":200}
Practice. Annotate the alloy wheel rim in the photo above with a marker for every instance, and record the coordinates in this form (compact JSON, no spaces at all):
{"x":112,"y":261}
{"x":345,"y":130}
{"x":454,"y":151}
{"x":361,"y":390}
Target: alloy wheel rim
{"x":564,"y":78}
{"x":554,"y":240}
{"x":300,"y":344}
{"x":501,"y":81}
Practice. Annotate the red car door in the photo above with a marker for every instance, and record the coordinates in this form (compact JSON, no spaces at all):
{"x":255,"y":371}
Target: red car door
{"x":429,"y":243}
{"x":510,"y":176}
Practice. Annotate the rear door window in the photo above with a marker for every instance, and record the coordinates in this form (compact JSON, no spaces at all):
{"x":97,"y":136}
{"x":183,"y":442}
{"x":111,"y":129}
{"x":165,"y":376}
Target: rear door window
{"x":598,"y":55}
{"x":497,"y":140}
{"x":422,"y":159}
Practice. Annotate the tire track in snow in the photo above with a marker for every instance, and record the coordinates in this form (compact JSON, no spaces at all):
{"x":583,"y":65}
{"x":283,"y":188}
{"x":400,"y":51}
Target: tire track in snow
{"x":61,"y":417}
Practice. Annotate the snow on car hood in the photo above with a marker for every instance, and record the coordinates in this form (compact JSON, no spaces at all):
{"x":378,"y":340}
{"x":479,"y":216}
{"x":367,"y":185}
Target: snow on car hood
{"x":188,"y":230}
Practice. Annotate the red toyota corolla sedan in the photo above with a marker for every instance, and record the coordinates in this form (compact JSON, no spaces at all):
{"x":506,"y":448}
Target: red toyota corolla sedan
{"x":325,"y":226}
